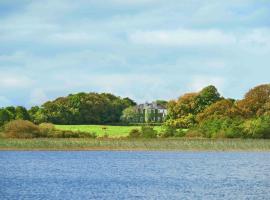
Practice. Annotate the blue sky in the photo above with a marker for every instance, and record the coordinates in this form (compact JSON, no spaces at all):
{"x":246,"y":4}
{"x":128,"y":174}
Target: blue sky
{"x":144,"y":49}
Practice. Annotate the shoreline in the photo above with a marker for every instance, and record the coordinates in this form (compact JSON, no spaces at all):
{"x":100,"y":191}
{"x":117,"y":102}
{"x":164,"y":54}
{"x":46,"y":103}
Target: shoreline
{"x":141,"y":150}
{"x":109,"y":144}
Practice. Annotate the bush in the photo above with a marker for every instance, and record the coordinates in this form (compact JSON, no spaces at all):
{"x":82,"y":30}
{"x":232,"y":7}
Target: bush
{"x":68,"y":134}
{"x":21,"y":129}
{"x":148,"y":132}
{"x":193,"y":133}
{"x":46,"y":129}
{"x":221,"y":128}
{"x":87,"y":135}
{"x":180,"y":133}
{"x":72,"y":134}
{"x":134,"y":133}
{"x":257,"y":128}
{"x":210,"y":128}
{"x":168,"y":131}
{"x":187,"y":121}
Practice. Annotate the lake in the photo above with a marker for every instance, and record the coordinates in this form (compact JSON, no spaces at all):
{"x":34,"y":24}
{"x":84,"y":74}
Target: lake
{"x":133,"y":175}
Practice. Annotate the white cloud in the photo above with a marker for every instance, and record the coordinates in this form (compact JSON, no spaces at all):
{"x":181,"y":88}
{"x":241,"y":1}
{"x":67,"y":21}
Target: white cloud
{"x":38,"y":97}
{"x":14,"y":81}
{"x":206,"y":37}
{"x":199,"y":82}
{"x":78,"y":38}
{"x":183,"y":37}
{"x":118,"y":46}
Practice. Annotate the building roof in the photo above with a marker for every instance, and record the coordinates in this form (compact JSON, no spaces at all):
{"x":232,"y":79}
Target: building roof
{"x":152,"y":105}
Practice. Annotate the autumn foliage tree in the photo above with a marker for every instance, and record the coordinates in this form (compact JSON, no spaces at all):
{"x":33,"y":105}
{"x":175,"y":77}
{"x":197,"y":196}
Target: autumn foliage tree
{"x":256,"y":101}
{"x":220,"y":109}
{"x":182,"y":112}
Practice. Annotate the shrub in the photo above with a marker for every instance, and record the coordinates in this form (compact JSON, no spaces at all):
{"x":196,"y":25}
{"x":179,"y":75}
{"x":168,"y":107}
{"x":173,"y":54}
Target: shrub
{"x":168,"y":131}
{"x":66,"y":134}
{"x":182,"y":122}
{"x":220,"y":128}
{"x":180,"y":133}
{"x":72,"y":134}
{"x":134,"y":133}
{"x":21,"y":129}
{"x":46,"y":129}
{"x":87,"y":135}
{"x":193,"y":133}
{"x":148,"y":132}
{"x":257,"y":128}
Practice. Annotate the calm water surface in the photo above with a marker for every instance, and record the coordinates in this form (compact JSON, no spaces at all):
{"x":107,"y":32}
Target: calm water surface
{"x":133,"y":175}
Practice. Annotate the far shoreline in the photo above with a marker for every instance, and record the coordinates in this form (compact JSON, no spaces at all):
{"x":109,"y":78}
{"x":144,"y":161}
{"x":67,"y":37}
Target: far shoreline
{"x":137,"y":150}
{"x":160,"y":144}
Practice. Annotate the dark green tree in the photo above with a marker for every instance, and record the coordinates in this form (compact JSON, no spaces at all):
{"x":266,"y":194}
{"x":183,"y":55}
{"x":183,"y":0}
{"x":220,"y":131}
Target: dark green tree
{"x":5,"y":116}
{"x":22,"y":113}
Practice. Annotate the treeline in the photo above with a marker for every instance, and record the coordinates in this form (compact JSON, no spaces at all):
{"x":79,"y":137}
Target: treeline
{"x":207,"y":114}
{"x":204,"y":114}
{"x":81,"y":108}
{"x":11,"y":113}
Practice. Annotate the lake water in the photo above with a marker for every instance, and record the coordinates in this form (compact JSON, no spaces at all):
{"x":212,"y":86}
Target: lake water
{"x":117,"y":175}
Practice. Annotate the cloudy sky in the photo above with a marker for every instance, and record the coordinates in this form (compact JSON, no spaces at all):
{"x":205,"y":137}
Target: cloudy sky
{"x":144,"y":49}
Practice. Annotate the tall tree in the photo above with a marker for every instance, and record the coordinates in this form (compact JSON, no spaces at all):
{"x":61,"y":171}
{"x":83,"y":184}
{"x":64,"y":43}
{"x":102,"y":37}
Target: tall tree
{"x":220,"y":109}
{"x":206,"y":97}
{"x":130,"y":114}
{"x":22,"y":113}
{"x":255,"y":101}
{"x":5,"y":116}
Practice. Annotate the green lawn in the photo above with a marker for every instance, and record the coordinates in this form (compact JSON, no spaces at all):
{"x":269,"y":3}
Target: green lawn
{"x":112,"y":131}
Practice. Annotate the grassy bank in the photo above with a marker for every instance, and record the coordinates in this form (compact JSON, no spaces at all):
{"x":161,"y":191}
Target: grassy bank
{"x":136,"y":144}
{"x":100,"y":130}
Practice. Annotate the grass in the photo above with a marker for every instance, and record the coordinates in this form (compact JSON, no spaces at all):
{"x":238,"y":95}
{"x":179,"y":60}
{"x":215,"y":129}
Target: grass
{"x":101,"y":130}
{"x":171,"y":144}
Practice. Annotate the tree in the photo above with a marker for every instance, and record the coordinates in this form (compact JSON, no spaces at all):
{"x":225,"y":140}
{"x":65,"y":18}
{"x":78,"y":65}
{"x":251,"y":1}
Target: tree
{"x":183,"y":106}
{"x":130,"y":114}
{"x":12,"y":111}
{"x":182,"y":113}
{"x":257,"y":128}
{"x":37,"y":115}
{"x":162,"y":103}
{"x":255,"y":100}
{"x":129,"y":102}
{"x":5,"y":116}
{"x":85,"y":108}
{"x":185,"y":121}
{"x":219,"y":109}
{"x":21,"y":113}
{"x":206,"y":97}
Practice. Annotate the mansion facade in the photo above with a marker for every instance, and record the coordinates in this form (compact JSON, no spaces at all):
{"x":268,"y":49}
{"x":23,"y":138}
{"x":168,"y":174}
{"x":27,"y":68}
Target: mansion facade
{"x":151,"y":113}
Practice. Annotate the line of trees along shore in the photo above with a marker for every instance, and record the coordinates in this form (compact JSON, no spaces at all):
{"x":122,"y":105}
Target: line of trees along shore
{"x":204,"y":114}
{"x":207,"y":114}
{"x":81,"y":108}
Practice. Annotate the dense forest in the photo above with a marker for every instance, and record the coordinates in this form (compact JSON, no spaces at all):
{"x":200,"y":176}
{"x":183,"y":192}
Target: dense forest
{"x":81,"y":108}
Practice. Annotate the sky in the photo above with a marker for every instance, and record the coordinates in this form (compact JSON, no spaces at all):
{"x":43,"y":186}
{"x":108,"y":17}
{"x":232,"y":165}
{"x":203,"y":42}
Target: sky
{"x":143,"y":49}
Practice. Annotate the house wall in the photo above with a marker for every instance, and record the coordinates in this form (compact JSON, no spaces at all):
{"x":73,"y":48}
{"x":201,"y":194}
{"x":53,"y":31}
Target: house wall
{"x":151,"y":115}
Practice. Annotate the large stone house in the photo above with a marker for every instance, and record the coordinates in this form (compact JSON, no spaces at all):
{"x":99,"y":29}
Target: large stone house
{"x":151,"y":112}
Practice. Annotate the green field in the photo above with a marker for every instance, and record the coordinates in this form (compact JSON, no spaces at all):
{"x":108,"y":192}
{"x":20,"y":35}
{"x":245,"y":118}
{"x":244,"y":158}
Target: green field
{"x":101,"y":130}
{"x":170,"y":144}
